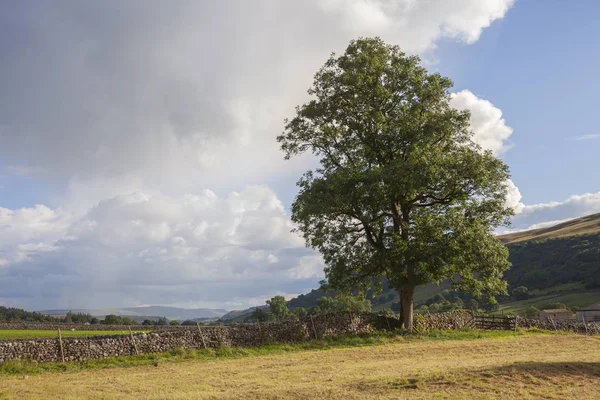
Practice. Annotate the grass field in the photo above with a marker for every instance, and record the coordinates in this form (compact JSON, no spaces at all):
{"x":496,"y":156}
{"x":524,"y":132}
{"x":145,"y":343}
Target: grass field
{"x":496,"y":366}
{"x":10,"y":334}
{"x":574,"y":299}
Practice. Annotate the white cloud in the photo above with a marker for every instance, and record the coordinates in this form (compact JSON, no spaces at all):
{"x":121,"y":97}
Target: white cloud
{"x":541,"y":215}
{"x":158,"y":249}
{"x":587,"y":137}
{"x":186,"y":96}
{"x":165,"y":100}
{"x":487,"y":123}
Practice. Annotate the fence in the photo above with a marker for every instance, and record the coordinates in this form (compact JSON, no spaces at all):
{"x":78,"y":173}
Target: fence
{"x":495,"y":322}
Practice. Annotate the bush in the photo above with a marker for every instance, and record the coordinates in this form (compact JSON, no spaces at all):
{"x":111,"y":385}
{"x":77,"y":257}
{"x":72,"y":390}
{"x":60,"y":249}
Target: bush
{"x":555,"y":306}
{"x":532,"y":312}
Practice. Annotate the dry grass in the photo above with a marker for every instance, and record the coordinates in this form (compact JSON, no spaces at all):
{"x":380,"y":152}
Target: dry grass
{"x":580,"y":226}
{"x":525,"y":367}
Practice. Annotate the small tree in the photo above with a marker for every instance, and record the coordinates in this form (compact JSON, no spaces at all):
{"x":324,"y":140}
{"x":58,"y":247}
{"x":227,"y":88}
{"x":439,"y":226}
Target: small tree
{"x":174,"y":323}
{"x":473,"y":305}
{"x":520,"y":293}
{"x":162,"y":321}
{"x":532,"y":312}
{"x":555,"y":306}
{"x":300,"y":312}
{"x":260,"y":315}
{"x":278,"y":307}
{"x":402,"y":190}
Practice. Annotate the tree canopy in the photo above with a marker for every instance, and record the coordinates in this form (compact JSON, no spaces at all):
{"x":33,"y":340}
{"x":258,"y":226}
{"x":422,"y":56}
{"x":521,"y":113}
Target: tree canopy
{"x":402,"y":190}
{"x":278,"y":307}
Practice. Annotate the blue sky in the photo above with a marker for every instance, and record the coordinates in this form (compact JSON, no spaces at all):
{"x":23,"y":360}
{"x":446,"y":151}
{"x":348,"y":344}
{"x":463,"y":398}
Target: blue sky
{"x":138,"y":162}
{"x":540,"y":65}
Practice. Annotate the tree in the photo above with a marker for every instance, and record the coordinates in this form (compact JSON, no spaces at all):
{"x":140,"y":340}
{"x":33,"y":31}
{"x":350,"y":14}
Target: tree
{"x":520,"y":293}
{"x":300,"y":312}
{"x":473,"y":305}
{"x":555,"y":306}
{"x":162,"y":321}
{"x":278,"y":307}
{"x":532,"y":312}
{"x":402,"y":190}
{"x":148,"y":322}
{"x":112,"y":319}
{"x":260,"y":315}
{"x":174,"y":323}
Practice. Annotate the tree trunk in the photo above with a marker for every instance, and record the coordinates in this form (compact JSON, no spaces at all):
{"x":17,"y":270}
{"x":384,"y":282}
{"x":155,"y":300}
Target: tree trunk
{"x":406,"y":307}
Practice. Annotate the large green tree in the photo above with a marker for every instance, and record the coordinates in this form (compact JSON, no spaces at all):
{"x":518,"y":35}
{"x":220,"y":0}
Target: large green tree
{"x":402,"y":189}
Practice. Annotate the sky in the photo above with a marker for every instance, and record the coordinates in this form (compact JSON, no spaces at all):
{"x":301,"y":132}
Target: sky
{"x":138,"y":161}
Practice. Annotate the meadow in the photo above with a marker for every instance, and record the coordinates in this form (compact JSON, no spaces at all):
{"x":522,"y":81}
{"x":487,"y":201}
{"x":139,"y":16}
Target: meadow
{"x":443,"y":365}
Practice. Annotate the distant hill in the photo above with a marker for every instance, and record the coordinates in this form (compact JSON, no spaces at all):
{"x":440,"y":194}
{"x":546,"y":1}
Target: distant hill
{"x":580,"y":226}
{"x":137,"y":313}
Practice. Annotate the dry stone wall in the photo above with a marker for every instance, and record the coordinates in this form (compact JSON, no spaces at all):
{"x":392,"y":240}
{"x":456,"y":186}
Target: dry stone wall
{"x":246,"y":335}
{"x":97,"y":347}
{"x":560,"y":325}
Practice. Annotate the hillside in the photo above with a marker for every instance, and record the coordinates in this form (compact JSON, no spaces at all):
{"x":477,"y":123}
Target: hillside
{"x":171,"y":313}
{"x":587,"y":225}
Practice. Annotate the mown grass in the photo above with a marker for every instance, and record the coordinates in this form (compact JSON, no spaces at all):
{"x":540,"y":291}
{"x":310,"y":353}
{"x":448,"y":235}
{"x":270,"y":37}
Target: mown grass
{"x":11,"y":334}
{"x":444,"y":365}
{"x":180,"y":354}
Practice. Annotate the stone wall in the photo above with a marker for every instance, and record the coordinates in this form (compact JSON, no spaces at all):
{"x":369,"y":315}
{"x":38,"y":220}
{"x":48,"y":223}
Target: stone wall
{"x":560,"y":325}
{"x":247,"y":335}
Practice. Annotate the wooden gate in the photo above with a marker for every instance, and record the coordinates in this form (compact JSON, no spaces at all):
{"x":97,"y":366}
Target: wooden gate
{"x":495,"y":322}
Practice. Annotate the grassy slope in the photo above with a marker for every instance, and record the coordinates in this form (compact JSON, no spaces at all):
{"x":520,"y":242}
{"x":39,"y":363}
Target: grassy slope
{"x":521,"y":366}
{"x":32,"y":334}
{"x":580,"y":226}
{"x":571,"y":300}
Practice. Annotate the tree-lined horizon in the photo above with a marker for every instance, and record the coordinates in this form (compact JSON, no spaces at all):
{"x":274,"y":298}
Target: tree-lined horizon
{"x":402,"y":190}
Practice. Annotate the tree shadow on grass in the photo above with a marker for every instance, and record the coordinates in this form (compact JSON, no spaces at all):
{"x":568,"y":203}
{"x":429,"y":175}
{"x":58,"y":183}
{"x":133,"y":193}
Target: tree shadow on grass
{"x":542,"y":370}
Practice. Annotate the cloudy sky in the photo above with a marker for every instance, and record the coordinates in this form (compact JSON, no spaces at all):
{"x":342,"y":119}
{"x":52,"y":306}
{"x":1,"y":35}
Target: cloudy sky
{"x":138,"y":162}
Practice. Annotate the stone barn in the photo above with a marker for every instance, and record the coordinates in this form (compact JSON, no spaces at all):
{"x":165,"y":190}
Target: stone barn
{"x":555,"y":315}
{"x":589,"y":314}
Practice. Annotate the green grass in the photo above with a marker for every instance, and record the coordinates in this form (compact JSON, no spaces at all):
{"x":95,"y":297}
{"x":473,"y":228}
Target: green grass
{"x":181,"y":354}
{"x":576,"y":299}
{"x":10,"y":334}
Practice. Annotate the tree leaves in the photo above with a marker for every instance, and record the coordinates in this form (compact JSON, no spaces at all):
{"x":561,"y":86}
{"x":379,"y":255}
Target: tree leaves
{"x":402,"y":190}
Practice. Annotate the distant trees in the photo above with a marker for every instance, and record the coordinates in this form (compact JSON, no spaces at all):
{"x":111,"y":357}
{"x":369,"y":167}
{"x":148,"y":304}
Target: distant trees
{"x":113,"y":319}
{"x":162,"y":321}
{"x":342,"y":304}
{"x":260,"y":315}
{"x":278,"y":307}
{"x":520,"y":293}
{"x":300,"y":312}
{"x":17,"y":314}
{"x":189,"y":322}
{"x":555,"y":306}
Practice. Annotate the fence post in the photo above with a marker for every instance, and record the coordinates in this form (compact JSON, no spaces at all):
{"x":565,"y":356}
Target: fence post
{"x":62,"y":350}
{"x":133,"y":341}
{"x":313,"y":326}
{"x":201,"y":334}
{"x":553,"y":324}
{"x":388,"y":322}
